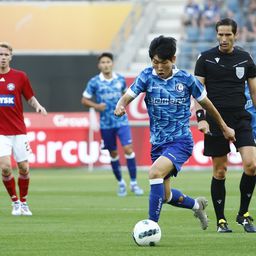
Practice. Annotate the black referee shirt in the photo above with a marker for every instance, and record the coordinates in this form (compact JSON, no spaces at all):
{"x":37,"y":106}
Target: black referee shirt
{"x":225,"y":75}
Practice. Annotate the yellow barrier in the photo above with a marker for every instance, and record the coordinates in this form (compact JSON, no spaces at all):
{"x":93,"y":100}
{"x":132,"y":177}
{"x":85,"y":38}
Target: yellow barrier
{"x":62,"y":27}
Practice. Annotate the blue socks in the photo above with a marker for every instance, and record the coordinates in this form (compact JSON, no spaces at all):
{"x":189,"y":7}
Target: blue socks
{"x":178,"y":199}
{"x":131,"y":164}
{"x":116,"y":168}
{"x":156,"y":198}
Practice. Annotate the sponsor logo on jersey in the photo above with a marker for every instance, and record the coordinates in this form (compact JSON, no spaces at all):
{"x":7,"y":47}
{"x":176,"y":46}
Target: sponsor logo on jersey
{"x":239,"y":72}
{"x":7,"y":100}
{"x":166,"y":101}
{"x":2,"y":79}
{"x":11,"y":86}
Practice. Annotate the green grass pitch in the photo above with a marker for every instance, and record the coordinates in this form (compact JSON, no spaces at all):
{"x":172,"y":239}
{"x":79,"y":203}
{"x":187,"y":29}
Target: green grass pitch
{"x":76,"y":212}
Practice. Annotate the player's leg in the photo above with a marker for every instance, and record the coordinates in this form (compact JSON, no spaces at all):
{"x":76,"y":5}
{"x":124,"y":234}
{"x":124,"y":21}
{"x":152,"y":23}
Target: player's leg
{"x":109,"y":143}
{"x":160,"y":169}
{"x":176,"y":198}
{"x":7,"y":176}
{"x":218,"y":148}
{"x":21,"y":151}
{"x":246,"y":147}
{"x":124,"y":134}
{"x":247,"y":185}
{"x":167,"y":161}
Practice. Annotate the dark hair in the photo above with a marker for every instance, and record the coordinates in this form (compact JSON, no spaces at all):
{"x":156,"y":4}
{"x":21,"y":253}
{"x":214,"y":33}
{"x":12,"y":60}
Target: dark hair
{"x":163,"y":47}
{"x":227,"y":22}
{"x":106,"y":54}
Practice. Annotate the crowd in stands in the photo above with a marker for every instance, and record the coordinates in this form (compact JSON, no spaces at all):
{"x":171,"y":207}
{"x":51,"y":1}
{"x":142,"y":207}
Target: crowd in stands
{"x":199,"y":18}
{"x":198,"y":23}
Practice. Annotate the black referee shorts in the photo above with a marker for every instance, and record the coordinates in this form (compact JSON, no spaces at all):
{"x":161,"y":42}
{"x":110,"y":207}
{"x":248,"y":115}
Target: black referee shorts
{"x":216,"y":145}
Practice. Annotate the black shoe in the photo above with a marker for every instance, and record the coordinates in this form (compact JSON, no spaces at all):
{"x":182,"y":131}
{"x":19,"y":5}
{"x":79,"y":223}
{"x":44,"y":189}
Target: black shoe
{"x":247,"y":222}
{"x":222,"y":227}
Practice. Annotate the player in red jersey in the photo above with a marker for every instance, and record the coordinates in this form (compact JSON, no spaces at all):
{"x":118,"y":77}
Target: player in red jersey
{"x":13,"y":85}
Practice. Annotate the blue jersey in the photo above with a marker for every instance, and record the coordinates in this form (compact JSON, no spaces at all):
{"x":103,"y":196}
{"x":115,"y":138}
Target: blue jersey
{"x":168,"y":103}
{"x":251,"y":109}
{"x":108,"y":92}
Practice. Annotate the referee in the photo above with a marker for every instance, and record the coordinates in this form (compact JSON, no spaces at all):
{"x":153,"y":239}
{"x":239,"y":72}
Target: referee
{"x":224,"y":70}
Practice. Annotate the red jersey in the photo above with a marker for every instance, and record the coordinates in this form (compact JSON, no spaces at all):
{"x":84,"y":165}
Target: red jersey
{"x":13,"y":85}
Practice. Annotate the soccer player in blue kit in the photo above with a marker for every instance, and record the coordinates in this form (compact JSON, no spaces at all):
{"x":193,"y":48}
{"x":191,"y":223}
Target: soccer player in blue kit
{"x":168,"y":91}
{"x":107,"y":87}
{"x":251,"y":109}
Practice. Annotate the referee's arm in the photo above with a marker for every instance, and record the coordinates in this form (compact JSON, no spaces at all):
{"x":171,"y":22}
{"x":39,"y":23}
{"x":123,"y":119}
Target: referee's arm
{"x":202,"y":124}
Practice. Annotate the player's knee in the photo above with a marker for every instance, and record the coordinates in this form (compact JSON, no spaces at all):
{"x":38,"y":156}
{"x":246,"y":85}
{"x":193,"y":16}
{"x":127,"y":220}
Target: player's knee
{"x":250,"y":168}
{"x":155,"y":174}
{"x":113,"y":154}
{"x":23,"y":168}
{"x":220,"y":173}
{"x":6,"y":170}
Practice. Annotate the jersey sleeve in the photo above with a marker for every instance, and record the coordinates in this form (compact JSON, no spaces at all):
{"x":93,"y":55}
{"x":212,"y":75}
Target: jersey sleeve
{"x":200,"y":67}
{"x":27,"y":90}
{"x":89,"y":90}
{"x":138,"y":86}
{"x":198,"y":90}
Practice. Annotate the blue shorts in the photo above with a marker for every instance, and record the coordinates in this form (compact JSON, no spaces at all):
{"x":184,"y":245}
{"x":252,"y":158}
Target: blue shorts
{"x":109,"y":137}
{"x":177,"y":151}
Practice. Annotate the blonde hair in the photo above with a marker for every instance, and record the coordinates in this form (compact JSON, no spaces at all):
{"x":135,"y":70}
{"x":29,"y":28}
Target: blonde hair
{"x":6,"y":45}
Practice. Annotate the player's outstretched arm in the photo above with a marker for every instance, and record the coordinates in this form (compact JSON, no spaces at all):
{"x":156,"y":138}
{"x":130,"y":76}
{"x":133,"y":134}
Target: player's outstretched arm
{"x":33,"y":102}
{"x":228,"y":132}
{"x":122,"y":103}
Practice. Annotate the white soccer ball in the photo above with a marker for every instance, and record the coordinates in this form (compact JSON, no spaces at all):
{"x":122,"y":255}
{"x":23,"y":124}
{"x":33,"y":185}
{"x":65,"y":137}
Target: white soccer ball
{"x":146,"y":232}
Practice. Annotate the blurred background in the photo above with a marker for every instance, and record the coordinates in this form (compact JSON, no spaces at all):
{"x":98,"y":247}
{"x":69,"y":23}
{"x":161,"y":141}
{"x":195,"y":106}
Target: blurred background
{"x":57,"y":43}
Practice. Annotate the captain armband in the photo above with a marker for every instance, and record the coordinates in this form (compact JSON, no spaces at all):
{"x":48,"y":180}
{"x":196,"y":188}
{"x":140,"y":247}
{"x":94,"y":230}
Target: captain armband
{"x":200,"y":116}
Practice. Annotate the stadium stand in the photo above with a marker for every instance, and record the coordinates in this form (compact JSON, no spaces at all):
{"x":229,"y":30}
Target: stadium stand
{"x":40,"y":26}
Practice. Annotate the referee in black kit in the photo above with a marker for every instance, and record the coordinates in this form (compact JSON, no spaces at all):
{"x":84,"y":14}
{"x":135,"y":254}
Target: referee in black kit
{"x":223,"y":70}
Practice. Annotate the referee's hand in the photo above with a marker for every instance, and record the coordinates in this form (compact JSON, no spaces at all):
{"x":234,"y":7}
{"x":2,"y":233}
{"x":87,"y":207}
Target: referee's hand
{"x":229,"y":134}
{"x":203,"y":126}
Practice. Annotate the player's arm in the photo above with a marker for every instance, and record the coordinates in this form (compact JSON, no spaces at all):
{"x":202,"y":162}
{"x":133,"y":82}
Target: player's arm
{"x":202,"y":124}
{"x":228,"y":132}
{"x":91,"y":104}
{"x":122,"y":103}
{"x":252,"y":88}
{"x":33,"y":102}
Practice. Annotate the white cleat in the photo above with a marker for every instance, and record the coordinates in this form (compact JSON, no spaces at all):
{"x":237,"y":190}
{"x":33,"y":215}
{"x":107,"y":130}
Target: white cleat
{"x":25,"y":210}
{"x":200,"y":213}
{"x":136,"y":190}
{"x":16,"y":208}
{"x":122,"y":192}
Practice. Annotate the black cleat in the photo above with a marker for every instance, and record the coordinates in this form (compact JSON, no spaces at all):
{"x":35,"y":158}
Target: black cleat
{"x":222,"y":227}
{"x":247,"y":222}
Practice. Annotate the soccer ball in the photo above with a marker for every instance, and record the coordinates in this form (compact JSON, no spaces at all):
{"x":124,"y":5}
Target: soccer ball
{"x":146,"y":232}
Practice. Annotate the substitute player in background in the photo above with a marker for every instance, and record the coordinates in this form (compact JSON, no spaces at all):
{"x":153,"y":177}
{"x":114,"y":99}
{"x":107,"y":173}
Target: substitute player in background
{"x":168,"y":97}
{"x":224,"y":70}
{"x":13,"y":85}
{"x":107,"y":87}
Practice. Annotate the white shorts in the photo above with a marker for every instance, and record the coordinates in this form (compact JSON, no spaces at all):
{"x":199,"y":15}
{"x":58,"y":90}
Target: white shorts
{"x":18,"y":144}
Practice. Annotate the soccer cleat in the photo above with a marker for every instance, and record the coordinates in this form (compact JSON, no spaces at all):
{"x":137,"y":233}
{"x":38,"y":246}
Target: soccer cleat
{"x":222,"y":227}
{"x":200,"y":213}
{"x":136,"y":190}
{"x":122,"y":190}
{"x":247,"y":222}
{"x":16,"y":208}
{"x":25,"y":209}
